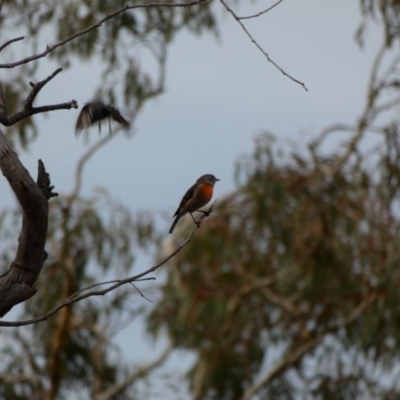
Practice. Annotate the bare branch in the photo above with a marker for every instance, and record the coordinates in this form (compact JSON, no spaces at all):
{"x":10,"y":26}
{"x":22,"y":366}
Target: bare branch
{"x":49,"y":49}
{"x":260,"y":48}
{"x":71,"y":300}
{"x":17,"y":39}
{"x":106,"y":283}
{"x":261,"y":12}
{"x":139,"y":291}
{"x":28,"y":109}
{"x":37,"y":87}
{"x":42,"y":109}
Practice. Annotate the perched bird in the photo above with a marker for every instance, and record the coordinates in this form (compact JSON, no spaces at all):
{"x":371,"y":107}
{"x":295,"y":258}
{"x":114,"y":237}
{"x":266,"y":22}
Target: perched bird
{"x":197,"y":196}
{"x":96,"y":111}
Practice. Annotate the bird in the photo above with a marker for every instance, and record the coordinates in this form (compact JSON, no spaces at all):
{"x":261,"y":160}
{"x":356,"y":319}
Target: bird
{"x":196,"y":196}
{"x":97,"y":110}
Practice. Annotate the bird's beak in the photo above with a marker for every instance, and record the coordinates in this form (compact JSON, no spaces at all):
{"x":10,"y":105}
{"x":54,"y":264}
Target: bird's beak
{"x":216,"y":179}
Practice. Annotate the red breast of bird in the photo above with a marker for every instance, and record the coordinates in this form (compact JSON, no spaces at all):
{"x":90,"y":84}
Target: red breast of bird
{"x":202,"y":195}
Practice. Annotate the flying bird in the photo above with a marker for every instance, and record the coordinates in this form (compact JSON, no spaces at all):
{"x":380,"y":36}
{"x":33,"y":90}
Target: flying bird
{"x":95,"y":111}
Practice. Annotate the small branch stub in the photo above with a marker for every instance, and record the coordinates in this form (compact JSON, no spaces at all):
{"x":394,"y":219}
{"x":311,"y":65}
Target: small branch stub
{"x":43,"y":181}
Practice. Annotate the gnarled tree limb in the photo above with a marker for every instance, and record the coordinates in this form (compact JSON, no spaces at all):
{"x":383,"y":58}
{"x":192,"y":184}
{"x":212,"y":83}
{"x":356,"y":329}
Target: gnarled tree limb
{"x":18,"y":284}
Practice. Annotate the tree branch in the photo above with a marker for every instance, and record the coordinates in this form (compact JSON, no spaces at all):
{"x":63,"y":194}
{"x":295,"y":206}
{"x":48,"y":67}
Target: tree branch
{"x":73,"y":299}
{"x":293,"y":355}
{"x":17,"y":39}
{"x":28,"y":109}
{"x":238,"y":19}
{"x":49,"y":49}
{"x":261,"y":12}
{"x":18,"y":284}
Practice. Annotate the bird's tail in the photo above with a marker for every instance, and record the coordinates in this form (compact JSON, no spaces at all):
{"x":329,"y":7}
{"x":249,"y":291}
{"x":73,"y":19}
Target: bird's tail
{"x":174,"y":224}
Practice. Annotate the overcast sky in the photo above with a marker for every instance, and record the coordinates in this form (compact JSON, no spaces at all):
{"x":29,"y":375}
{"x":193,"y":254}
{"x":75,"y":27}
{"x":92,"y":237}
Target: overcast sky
{"x":219,"y":95}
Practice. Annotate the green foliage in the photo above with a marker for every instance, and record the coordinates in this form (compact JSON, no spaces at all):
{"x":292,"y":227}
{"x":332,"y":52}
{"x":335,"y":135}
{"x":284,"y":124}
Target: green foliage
{"x":294,"y":279}
{"x":72,"y":348}
{"x":89,"y":240}
{"x":292,"y":254}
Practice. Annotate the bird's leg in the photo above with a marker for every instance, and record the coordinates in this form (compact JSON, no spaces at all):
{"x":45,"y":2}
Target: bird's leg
{"x":109,"y":124}
{"x":206,"y":213}
{"x":196,"y":222}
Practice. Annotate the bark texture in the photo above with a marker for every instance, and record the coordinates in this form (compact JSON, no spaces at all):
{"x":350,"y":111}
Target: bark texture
{"x":18,"y":284}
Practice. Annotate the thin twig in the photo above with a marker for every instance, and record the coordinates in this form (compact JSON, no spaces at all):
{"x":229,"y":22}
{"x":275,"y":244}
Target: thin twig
{"x":261,"y":12}
{"x":260,"y":48}
{"x":49,"y":49}
{"x":3,"y":46}
{"x":105,"y":283}
{"x":71,"y":300}
{"x":151,"y":301}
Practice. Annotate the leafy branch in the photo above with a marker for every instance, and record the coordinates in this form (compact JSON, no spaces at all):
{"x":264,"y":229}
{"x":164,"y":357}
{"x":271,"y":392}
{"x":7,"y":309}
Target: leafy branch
{"x":294,"y":354}
{"x":53,"y":47}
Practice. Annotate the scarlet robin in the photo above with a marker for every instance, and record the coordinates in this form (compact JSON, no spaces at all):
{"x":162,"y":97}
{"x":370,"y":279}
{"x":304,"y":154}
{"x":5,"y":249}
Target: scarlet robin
{"x":96,"y":111}
{"x":196,"y":197}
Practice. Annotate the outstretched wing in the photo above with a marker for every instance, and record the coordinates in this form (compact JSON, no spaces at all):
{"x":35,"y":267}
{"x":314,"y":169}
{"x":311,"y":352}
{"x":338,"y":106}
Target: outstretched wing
{"x":116,"y":116}
{"x":96,"y":111}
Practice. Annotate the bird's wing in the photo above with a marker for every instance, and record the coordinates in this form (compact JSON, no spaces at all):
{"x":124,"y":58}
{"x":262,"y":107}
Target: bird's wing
{"x":188,"y":195}
{"x":116,"y":116}
{"x":85,"y":118}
